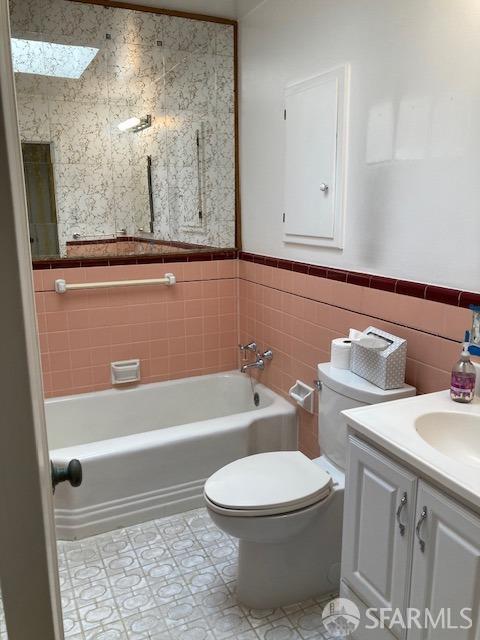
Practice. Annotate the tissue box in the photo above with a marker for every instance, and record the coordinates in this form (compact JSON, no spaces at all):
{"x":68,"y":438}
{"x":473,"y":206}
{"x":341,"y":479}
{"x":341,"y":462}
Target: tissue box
{"x":386,"y":369}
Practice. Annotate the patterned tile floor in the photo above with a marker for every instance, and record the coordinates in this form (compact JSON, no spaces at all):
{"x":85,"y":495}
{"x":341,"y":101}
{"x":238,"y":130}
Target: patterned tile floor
{"x":169,"y":579}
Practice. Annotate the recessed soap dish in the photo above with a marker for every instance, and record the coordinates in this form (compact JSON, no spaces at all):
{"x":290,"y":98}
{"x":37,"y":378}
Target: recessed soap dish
{"x":125,"y":371}
{"x":303,"y":395}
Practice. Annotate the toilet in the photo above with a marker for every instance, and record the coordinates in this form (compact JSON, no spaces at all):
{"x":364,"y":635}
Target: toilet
{"x":286,"y":510}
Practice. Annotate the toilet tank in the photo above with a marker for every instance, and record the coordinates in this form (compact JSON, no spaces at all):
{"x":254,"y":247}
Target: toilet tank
{"x":341,"y":390}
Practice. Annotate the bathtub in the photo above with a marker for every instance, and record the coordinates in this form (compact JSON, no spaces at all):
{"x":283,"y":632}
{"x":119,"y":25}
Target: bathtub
{"x":147,"y":451}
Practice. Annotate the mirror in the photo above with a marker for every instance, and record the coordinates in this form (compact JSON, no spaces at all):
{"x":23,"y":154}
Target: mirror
{"x":127,"y":123}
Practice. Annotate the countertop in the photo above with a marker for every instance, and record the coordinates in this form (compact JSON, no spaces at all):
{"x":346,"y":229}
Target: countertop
{"x":391,"y":426}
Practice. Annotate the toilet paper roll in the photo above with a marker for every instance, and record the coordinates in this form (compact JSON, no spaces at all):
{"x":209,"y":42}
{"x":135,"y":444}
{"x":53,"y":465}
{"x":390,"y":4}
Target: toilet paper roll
{"x":340,"y":353}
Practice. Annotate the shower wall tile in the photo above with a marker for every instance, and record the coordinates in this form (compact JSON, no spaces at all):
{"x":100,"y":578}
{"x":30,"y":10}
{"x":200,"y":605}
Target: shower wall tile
{"x":189,"y":329}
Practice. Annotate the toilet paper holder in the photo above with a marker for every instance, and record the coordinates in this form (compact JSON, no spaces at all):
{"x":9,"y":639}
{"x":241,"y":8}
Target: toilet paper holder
{"x":303,"y":395}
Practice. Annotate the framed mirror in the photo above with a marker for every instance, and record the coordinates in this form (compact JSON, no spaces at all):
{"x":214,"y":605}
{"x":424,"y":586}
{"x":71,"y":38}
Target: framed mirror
{"x":127,"y":118}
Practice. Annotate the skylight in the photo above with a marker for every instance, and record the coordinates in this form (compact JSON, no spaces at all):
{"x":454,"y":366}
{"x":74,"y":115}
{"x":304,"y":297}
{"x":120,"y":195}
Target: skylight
{"x":51,"y":59}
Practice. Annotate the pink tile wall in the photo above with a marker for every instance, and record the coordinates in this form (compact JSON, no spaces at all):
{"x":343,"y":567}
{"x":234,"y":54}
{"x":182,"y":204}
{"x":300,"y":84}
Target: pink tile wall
{"x":188,"y":329}
{"x":194,"y":327}
{"x":298,"y":315}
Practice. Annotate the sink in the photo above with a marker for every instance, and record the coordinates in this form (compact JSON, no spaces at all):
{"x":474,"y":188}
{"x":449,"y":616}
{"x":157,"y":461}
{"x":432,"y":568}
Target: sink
{"x":456,"y":435}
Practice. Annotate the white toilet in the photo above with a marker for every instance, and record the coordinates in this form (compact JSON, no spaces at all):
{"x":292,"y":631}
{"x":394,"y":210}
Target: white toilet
{"x":286,"y":510}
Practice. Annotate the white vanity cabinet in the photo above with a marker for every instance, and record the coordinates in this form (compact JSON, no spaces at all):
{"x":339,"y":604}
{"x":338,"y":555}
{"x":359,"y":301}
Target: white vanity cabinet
{"x":406,"y":545}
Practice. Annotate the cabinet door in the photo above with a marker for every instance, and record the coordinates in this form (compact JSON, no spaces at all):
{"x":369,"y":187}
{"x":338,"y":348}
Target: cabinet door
{"x":378,"y":528}
{"x":446,"y":566}
{"x":315,"y":149}
{"x":364,"y":630}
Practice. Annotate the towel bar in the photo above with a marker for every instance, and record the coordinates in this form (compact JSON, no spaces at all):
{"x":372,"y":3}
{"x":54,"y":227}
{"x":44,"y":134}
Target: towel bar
{"x":62,"y":287}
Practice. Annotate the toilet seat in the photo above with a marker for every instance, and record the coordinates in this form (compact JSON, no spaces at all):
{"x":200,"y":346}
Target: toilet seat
{"x":267,"y":484}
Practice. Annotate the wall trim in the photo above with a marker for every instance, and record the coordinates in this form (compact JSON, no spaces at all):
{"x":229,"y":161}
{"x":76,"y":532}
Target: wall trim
{"x":113,"y":261}
{"x":445,"y":295}
{"x":434,"y":293}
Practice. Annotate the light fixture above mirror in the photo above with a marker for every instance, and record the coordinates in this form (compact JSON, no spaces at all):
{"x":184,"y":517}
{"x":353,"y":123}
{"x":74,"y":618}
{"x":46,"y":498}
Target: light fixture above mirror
{"x":136,"y":124}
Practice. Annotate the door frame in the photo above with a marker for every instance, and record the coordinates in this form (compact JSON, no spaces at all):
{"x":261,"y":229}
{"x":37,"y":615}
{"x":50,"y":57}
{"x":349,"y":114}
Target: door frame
{"x":28,"y":556}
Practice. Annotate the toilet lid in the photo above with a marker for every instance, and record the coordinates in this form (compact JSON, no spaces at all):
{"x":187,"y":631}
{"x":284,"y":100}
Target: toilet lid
{"x":281,"y":481}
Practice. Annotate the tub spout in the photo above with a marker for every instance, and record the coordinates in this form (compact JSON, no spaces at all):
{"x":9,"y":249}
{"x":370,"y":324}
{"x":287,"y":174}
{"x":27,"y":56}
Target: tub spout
{"x":258,"y":364}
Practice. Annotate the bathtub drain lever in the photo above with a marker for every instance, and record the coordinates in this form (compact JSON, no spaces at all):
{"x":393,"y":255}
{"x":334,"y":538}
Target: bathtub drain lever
{"x":71,"y":472}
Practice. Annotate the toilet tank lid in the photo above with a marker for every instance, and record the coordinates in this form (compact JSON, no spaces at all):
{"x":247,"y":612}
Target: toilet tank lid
{"x":352,"y":386}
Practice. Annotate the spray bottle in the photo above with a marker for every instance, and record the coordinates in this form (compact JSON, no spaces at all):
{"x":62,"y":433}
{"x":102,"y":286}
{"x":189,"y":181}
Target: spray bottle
{"x":462,"y":387}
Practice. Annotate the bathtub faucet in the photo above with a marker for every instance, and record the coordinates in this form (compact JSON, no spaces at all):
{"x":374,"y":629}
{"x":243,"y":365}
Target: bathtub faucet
{"x":259,"y":361}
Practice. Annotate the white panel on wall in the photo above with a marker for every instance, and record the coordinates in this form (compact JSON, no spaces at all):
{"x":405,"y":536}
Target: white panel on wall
{"x":315,"y":138}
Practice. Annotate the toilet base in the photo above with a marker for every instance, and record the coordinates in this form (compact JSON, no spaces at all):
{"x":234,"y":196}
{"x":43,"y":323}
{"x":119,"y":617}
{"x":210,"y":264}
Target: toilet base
{"x":272,"y":575}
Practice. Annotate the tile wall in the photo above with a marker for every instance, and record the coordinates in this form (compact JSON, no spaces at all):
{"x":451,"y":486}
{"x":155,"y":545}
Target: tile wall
{"x":188,"y":329}
{"x":194,"y":327}
{"x":298,"y":315}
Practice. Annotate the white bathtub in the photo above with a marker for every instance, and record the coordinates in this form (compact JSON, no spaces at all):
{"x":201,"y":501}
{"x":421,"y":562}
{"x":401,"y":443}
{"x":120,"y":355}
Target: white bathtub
{"x":147,"y":451}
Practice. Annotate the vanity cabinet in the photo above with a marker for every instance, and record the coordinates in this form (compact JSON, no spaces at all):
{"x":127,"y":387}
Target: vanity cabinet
{"x":407,"y":545}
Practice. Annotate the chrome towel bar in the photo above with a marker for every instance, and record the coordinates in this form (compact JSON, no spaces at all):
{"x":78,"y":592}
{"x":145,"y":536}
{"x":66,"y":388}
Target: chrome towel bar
{"x":62,"y":287}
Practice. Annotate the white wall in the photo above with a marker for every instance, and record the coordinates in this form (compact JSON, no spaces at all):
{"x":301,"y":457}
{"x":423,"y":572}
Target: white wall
{"x":218,"y":8}
{"x":413,"y":184}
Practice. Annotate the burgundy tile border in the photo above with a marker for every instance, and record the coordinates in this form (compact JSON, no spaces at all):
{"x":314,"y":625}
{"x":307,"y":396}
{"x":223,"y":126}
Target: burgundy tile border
{"x":442,"y":294}
{"x":467,"y":299}
{"x":319,"y":272}
{"x":412,"y":289}
{"x":383,"y":284}
{"x":453,"y":297}
{"x":360,"y":279}
{"x":337,"y":274}
{"x":110,"y":261}
{"x":300,"y":267}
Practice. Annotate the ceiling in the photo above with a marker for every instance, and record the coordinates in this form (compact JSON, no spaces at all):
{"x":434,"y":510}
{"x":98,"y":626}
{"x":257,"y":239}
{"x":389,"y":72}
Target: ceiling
{"x":243,"y":7}
{"x":221,"y":8}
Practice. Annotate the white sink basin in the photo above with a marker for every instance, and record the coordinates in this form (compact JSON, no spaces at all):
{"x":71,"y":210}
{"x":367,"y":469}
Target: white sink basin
{"x":456,"y":435}
{"x":434,"y":435}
